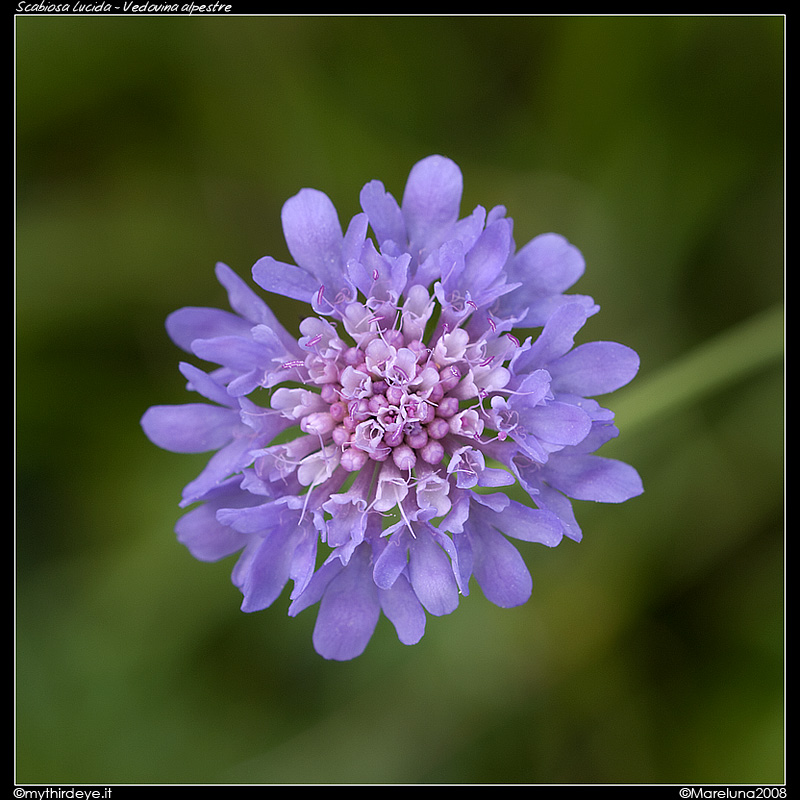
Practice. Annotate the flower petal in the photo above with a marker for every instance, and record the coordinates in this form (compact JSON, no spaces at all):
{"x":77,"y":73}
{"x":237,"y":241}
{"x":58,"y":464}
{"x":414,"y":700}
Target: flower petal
{"x":432,"y":576}
{"x":556,"y":338}
{"x":253,"y":518}
{"x":202,"y":383}
{"x":521,"y":522}
{"x":404,"y":611}
{"x":268,"y":573}
{"x":315,"y":588}
{"x":249,"y":305}
{"x":285,"y":279}
{"x":227,"y":461}
{"x":384,"y":214}
{"x":499,"y":568}
{"x":204,"y":536}
{"x":604,"y":480}
{"x":431,"y":201}
{"x":189,"y":428}
{"x":348,"y":612}
{"x":190,"y":323}
{"x":243,"y":300}
{"x":557,"y":423}
{"x":485,"y":260}
{"x":314,"y":235}
{"x":594,"y":368}
{"x":392,"y":561}
{"x":548,"y":264}
{"x":239,"y":353}
{"x":545,"y":267}
{"x":548,"y":500}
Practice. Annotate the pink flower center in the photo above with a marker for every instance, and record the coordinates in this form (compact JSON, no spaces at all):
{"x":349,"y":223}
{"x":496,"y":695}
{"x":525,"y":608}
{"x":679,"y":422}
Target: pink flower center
{"x":384,"y":399}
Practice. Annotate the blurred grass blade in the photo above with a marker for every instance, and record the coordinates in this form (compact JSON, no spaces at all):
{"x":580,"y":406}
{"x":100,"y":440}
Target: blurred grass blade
{"x":715,"y":364}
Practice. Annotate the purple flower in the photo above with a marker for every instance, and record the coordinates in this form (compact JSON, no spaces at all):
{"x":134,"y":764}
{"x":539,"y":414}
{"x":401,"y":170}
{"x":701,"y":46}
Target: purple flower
{"x":365,"y":462}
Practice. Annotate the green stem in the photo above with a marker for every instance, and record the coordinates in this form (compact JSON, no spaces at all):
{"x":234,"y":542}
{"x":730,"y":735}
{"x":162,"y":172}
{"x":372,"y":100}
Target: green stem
{"x":718,"y":362}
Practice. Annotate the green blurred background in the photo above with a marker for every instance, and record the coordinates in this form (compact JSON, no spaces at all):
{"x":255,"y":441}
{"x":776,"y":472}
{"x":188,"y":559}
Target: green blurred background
{"x":150,"y":148}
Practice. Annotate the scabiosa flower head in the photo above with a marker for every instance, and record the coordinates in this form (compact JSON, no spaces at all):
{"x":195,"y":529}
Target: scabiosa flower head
{"x":366,"y":460}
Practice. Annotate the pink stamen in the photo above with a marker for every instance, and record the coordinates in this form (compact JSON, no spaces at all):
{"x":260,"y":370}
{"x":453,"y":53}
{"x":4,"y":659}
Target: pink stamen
{"x":513,"y":338}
